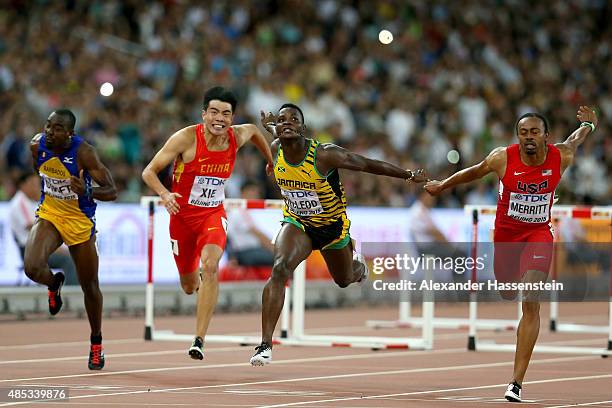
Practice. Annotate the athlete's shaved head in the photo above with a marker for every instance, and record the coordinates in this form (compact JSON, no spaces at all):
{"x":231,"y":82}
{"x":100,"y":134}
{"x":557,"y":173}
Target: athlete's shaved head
{"x":292,"y":106}
{"x":69,"y":116}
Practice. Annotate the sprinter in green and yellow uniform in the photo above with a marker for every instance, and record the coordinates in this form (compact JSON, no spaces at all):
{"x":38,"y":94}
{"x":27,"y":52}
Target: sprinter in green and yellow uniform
{"x":306,"y":172}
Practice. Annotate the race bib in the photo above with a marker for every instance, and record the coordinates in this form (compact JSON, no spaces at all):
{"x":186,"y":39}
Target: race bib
{"x":207,"y":191}
{"x":532,"y":208}
{"x":302,"y":202}
{"x":58,"y":188}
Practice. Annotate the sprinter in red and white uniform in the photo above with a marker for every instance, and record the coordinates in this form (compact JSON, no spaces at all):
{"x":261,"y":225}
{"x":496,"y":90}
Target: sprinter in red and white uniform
{"x":203,"y":156}
{"x":528,"y":175}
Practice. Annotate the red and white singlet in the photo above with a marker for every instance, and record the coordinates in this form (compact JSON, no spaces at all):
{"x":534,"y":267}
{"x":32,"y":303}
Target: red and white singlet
{"x":201,"y":182}
{"x":526,"y":193}
{"x":201,"y":219}
{"x":523,"y":234}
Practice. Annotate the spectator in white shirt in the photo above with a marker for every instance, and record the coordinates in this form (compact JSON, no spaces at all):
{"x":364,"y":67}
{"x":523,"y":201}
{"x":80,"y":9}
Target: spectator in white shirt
{"x":247,"y":243}
{"x":424,"y":233}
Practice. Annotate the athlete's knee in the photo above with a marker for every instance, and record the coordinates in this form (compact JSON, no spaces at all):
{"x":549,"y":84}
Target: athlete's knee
{"x":531,"y":308}
{"x":280,"y":269}
{"x":189,"y":287}
{"x":508,"y":294}
{"x":34,"y":268}
{"x":209,"y":269}
{"x":91,"y":287}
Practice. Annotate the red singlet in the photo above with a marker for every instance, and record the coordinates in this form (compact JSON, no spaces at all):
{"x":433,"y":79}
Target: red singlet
{"x":526,"y":196}
{"x":201,"y":219}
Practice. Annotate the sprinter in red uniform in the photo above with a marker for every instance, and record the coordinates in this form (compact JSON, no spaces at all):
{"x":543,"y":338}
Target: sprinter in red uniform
{"x":528,"y":175}
{"x":204,"y":156}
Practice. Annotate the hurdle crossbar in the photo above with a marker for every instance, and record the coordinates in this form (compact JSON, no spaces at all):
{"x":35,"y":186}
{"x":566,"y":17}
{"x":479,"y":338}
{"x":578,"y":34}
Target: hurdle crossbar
{"x":557,"y":212}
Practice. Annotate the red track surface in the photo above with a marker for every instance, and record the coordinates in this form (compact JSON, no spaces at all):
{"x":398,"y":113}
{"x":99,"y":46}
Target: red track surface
{"x":152,"y":374}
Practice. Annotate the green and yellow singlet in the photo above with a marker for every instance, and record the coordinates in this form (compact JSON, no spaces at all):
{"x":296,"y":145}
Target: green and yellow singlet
{"x":314,"y":202}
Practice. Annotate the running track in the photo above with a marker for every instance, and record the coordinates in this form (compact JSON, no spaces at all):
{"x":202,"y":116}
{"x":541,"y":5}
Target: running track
{"x":45,"y":352}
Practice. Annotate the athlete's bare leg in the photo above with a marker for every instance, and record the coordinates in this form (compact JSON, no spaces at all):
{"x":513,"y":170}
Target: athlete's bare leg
{"x":341,"y":265}
{"x":529,"y":327}
{"x":292,"y":246}
{"x":209,"y":288}
{"x":85,"y":257}
{"x":43,"y":240}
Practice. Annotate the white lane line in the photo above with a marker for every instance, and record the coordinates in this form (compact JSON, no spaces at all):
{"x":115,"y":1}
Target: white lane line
{"x":328,"y":377}
{"x":205,"y":367}
{"x":584,"y":404}
{"x":68,"y":344}
{"x":235,"y":348}
{"x":324,"y":330}
{"x":481,"y":387}
{"x":119,"y":355}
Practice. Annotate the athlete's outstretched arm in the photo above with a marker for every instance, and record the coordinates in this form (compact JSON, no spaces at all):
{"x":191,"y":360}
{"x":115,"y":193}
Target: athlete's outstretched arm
{"x":570,"y":145}
{"x":88,"y":159}
{"x":330,"y":156}
{"x":247,"y":132}
{"x":495,"y":161}
{"x":175,"y":146}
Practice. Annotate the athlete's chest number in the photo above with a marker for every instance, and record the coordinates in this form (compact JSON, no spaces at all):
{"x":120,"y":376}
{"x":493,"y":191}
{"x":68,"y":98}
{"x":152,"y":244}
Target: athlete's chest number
{"x":207,"y":191}
{"x":303,"y":202}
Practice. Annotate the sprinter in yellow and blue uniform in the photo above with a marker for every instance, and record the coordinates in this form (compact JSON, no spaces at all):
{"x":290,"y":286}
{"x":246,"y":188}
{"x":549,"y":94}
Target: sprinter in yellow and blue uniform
{"x":68,"y":167}
{"x":306,"y":172}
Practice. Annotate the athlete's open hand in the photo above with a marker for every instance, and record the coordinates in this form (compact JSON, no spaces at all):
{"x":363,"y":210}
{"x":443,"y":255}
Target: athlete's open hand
{"x":168,"y":199}
{"x":269,"y":169}
{"x":587,"y":114}
{"x":419,"y":176}
{"x":268,"y":121}
{"x":433,"y":187}
{"x":77,"y":184}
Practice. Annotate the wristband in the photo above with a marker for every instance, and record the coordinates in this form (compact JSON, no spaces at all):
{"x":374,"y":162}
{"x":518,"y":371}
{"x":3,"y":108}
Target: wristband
{"x":590,"y":124}
{"x":411,"y":175}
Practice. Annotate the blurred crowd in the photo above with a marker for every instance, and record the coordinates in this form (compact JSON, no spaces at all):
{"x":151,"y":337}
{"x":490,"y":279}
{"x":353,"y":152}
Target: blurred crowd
{"x":456,"y":76}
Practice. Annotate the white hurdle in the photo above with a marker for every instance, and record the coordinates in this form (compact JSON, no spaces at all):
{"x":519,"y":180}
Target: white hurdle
{"x":604,"y":213}
{"x":406,"y":320}
{"x":294,"y":296}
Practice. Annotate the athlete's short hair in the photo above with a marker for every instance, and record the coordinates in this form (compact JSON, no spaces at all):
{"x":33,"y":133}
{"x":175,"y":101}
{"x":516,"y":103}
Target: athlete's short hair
{"x":221,"y":94}
{"x":293,"y":106}
{"x":67,"y":113}
{"x":533,"y":115}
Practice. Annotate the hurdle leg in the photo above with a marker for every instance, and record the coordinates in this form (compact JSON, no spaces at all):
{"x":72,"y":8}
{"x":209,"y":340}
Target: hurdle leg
{"x":404,"y":306}
{"x":610,"y":298}
{"x":554,"y":310}
{"x":610,"y":324}
{"x":299,"y":291}
{"x":554,"y":295}
{"x":473,"y":294}
{"x":472,"y":322}
{"x":285,"y":314}
{"x":149,"y":300}
{"x":428,"y":315}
